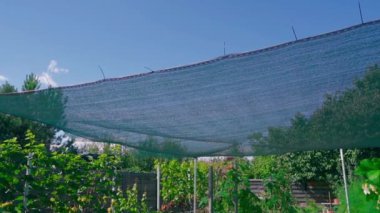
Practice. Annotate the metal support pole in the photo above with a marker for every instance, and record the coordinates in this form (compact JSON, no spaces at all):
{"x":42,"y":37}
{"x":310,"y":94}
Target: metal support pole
{"x":158,"y":187}
{"x":210,"y":189}
{"x":294,"y":33}
{"x":360,"y":11}
{"x":236,"y":196}
{"x":26,"y":184}
{"x":344,"y":180}
{"x":195,"y":186}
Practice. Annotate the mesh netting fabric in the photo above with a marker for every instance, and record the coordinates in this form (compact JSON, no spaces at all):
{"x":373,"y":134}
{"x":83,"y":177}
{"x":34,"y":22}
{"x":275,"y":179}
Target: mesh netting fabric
{"x":213,"y":107}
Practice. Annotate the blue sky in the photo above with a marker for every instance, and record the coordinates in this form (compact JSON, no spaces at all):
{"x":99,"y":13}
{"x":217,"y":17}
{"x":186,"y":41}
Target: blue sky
{"x":65,"y":41}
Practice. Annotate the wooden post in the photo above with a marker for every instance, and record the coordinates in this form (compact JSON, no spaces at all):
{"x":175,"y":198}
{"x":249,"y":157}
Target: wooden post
{"x":210,"y":189}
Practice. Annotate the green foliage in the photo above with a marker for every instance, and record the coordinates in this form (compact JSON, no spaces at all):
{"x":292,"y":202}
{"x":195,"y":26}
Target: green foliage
{"x":132,"y":204}
{"x":11,"y":126}
{"x":168,"y":148}
{"x":11,"y":156}
{"x":31,"y":83}
{"x":132,"y":160}
{"x":312,"y":165}
{"x":7,"y":88}
{"x":358,"y":201}
{"x":137,"y":162}
{"x":369,"y":169}
{"x":262,"y":167}
{"x":233,"y":181}
{"x":349,"y":118}
{"x":311,"y":207}
{"x":278,"y":195}
{"x":177,"y":179}
{"x":322,"y":166}
{"x":61,"y":182}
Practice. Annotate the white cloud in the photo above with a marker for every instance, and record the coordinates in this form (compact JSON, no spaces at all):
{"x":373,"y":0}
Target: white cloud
{"x":47,"y":80}
{"x":3,"y":78}
{"x":53,"y":67}
{"x":46,"y":77}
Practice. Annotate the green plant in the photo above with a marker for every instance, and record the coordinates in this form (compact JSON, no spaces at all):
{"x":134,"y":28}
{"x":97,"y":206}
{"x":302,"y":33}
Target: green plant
{"x":60,"y":182}
{"x":132,"y":204}
{"x":262,"y":167}
{"x":369,"y":169}
{"x":278,"y":195}
{"x":233,"y":182}
{"x":15,"y":127}
{"x":358,"y":201}
{"x":311,"y":207}
{"x":177,"y":184}
{"x":349,"y":117}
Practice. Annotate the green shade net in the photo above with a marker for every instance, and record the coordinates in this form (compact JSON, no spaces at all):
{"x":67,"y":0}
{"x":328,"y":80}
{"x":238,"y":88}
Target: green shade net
{"x":233,"y":105}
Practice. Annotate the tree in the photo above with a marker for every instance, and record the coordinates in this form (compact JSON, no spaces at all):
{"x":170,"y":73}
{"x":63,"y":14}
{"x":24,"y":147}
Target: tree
{"x":347,"y":119}
{"x":7,"y":88}
{"x":15,"y":127}
{"x":31,"y":83}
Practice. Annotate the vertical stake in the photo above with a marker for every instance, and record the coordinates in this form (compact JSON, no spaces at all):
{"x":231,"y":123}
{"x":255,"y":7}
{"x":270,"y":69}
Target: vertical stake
{"x":224,"y":48}
{"x":236,"y":195}
{"x":195,"y":186}
{"x":101,"y":70}
{"x":330,"y":204}
{"x":294,"y":33}
{"x":26,"y":184}
{"x":344,"y":180}
{"x":158,"y":187}
{"x":148,"y":68}
{"x":360,"y":11}
{"x":210,"y":189}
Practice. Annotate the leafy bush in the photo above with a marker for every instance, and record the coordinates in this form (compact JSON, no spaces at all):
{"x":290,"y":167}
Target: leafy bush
{"x":311,"y":207}
{"x":369,"y":170}
{"x":177,"y":186}
{"x":177,"y":179}
{"x":278,"y":195}
{"x":357,"y":199}
{"x":350,"y":118}
{"x":59,"y":182}
{"x":262,"y":167}
{"x":233,"y":181}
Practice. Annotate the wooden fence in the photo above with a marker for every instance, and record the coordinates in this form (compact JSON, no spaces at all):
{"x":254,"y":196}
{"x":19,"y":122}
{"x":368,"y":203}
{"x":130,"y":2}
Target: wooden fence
{"x":317,"y":191}
{"x":146,"y":182}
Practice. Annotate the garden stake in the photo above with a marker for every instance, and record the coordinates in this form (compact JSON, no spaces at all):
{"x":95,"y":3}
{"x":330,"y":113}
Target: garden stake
{"x":158,"y":187}
{"x":236,"y":199}
{"x":195,"y":186}
{"x":210,"y":189}
{"x":26,"y":184}
{"x":344,"y":180}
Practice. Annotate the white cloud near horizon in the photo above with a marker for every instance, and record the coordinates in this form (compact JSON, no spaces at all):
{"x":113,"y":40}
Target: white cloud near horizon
{"x":53,"y":67}
{"x":3,"y":78}
{"x":46,"y":77}
{"x":47,"y":80}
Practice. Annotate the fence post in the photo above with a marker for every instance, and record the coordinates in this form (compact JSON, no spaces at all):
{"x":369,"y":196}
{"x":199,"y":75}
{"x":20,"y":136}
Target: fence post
{"x":26,"y":184}
{"x":158,"y":187}
{"x":344,"y":180}
{"x":236,"y":196}
{"x":210,"y":189}
{"x":195,"y":186}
